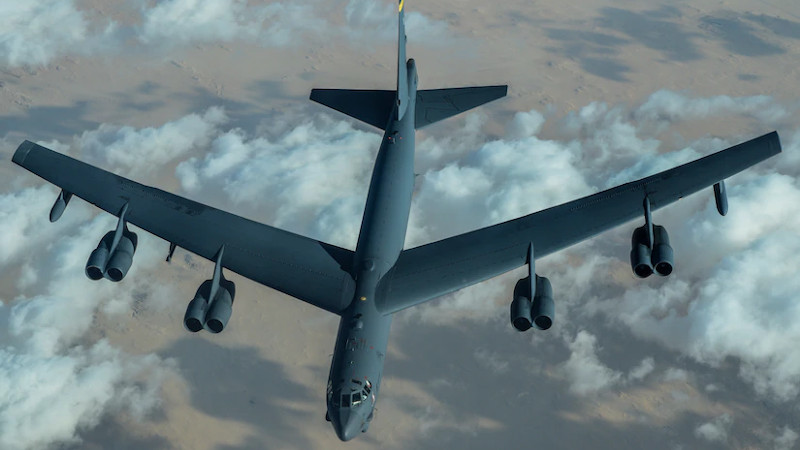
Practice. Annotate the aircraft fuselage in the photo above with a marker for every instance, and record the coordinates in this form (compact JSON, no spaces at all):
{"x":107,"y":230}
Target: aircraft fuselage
{"x":358,"y":357}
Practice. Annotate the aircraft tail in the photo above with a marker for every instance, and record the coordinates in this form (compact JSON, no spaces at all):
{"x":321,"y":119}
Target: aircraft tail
{"x":434,"y":105}
{"x":375,"y":106}
{"x":370,"y":106}
{"x":402,"y":71}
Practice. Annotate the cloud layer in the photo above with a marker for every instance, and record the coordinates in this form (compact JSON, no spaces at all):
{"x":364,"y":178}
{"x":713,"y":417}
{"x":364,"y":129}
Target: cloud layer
{"x":54,"y":380}
{"x":311,"y":177}
{"x":36,"y":32}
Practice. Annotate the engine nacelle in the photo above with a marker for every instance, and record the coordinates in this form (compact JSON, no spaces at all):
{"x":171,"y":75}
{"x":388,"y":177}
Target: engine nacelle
{"x":521,"y":306}
{"x":640,"y":253}
{"x":222,"y":307}
{"x":122,"y":258}
{"x":96,"y":265}
{"x":543,"y":308}
{"x":114,"y":266}
{"x":662,"y":258}
{"x":213,"y":316}
{"x":195,"y":315}
{"x":540,"y":312}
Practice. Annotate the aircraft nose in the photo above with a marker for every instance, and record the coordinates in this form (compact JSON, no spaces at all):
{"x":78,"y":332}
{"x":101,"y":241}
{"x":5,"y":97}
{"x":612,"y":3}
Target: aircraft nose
{"x":347,"y":424}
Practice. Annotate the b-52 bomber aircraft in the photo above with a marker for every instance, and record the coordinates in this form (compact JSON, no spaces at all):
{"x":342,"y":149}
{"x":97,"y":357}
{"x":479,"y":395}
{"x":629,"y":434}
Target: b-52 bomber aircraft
{"x":367,"y":286}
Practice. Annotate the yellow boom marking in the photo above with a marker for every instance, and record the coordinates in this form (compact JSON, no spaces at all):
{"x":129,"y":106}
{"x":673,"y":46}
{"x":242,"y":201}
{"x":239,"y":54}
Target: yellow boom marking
{"x":400,"y":8}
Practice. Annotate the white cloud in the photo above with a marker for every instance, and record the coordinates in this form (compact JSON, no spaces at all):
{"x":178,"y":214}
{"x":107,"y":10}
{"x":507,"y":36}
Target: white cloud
{"x":643,"y":369}
{"x":675,"y":374}
{"x":311,"y":179}
{"x":737,"y":298}
{"x":493,"y":182}
{"x":491,"y":360}
{"x":21,"y":214}
{"x":716,"y":430}
{"x":46,"y":399}
{"x":34,"y":32}
{"x":54,"y":382}
{"x":184,"y":22}
{"x":584,"y":371}
{"x":786,"y":439}
{"x":136,"y":152}
{"x":667,"y":107}
{"x":378,"y":21}
{"x":57,"y":377}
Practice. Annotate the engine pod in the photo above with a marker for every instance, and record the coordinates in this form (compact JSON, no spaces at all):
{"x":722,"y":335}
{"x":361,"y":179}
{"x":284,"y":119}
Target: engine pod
{"x":96,"y":264}
{"x":521,"y":306}
{"x":122,"y":259}
{"x":221,"y":308}
{"x":641,"y":263}
{"x":662,"y":258}
{"x":196,"y":311}
{"x":543,"y":307}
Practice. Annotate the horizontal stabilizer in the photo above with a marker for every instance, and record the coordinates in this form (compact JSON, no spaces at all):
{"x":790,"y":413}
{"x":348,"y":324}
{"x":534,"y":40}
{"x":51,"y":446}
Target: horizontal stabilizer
{"x":370,"y":106}
{"x":434,"y":105}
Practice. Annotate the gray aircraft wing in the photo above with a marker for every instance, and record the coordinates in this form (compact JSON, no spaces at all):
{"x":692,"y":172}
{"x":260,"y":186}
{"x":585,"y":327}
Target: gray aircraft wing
{"x":312,"y":271}
{"x":426,"y":272}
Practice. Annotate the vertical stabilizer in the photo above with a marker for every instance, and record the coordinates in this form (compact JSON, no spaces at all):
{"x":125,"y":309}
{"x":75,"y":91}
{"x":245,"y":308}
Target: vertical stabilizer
{"x":402,"y":78}
{"x":376,"y":107}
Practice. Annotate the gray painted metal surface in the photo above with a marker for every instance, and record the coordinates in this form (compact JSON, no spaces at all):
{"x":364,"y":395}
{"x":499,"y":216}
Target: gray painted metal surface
{"x":367,"y":285}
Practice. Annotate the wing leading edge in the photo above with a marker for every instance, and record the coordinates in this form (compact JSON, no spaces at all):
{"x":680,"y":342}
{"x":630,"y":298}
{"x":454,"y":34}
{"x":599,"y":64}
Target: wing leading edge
{"x":310,"y":270}
{"x":429,"y":271}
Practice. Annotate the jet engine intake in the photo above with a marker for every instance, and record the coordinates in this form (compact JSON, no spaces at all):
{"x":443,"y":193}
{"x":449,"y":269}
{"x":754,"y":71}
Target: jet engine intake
{"x":96,"y":265}
{"x":640,"y":253}
{"x":195,"y":315}
{"x":222,"y":307}
{"x":109,"y":261}
{"x":521,"y":306}
{"x":662,"y":259}
{"x":543,"y":309}
{"x":122,"y":258}
{"x":540,"y":312}
{"x":214,"y":315}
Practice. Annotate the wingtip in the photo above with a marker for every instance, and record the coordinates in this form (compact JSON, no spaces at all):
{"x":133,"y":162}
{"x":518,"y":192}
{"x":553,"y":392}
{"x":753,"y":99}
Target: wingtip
{"x":773,"y":142}
{"x":22,"y":152}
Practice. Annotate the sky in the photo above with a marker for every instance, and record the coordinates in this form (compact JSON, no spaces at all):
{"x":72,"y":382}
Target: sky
{"x":209,"y":100}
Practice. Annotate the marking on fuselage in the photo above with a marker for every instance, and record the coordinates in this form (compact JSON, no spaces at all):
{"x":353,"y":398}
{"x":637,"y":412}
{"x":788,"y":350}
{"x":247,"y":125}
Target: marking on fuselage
{"x":356,"y":344}
{"x":363,"y":299}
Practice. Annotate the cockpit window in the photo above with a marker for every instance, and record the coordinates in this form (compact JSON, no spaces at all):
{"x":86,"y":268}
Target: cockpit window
{"x":356,"y":398}
{"x":346,"y":401}
{"x":358,"y":382}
